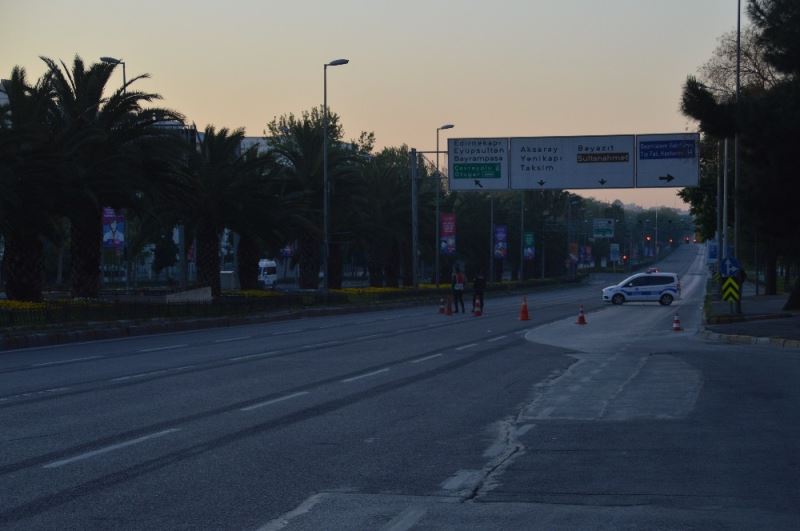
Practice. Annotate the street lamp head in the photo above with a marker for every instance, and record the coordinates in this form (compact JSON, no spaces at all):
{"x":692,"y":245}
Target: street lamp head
{"x":111,"y":60}
{"x":447,"y":126}
{"x":338,"y":62}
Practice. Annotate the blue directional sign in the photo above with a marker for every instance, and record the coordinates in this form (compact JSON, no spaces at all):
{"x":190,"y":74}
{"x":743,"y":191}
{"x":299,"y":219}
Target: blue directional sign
{"x":730,"y":266}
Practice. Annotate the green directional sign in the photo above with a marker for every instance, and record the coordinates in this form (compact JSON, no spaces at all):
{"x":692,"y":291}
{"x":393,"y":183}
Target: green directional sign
{"x":730,"y":290}
{"x":477,"y":171}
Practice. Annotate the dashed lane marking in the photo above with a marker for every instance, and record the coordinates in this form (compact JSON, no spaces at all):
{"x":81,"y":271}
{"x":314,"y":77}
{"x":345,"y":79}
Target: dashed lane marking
{"x":168,"y":347}
{"x":63,"y":362}
{"x":367,"y":375}
{"x":464,"y":347}
{"x":240,"y":338}
{"x":426,"y":358}
{"x":87,"y":455}
{"x":274,"y":401}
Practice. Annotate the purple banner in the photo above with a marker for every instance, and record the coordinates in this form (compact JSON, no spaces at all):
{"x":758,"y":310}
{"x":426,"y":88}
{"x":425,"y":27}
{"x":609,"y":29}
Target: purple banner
{"x":447,"y":234}
{"x":500,"y":241}
{"x":113,"y":229}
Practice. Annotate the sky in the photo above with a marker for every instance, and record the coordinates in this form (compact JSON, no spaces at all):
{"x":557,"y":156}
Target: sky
{"x":493,"y":68}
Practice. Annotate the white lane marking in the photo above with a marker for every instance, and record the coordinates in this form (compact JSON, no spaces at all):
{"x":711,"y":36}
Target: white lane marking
{"x":251,"y":356}
{"x":464,"y":347}
{"x":49,"y":363}
{"x":151,"y":373}
{"x":367,"y":375}
{"x":426,"y":358}
{"x":498,"y":338}
{"x":286,"y":332}
{"x":232,"y":339}
{"x":326,"y":344}
{"x":282,"y":521}
{"x":87,"y":455}
{"x":34,"y":393}
{"x":367,"y":337}
{"x":130,"y":377}
{"x":407,"y":519}
{"x":274,"y":401}
{"x":168,"y":347}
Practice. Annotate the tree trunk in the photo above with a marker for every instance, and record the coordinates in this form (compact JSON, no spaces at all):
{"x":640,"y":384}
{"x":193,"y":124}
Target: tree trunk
{"x":23,"y":264}
{"x":408,"y":265}
{"x":335,"y":266}
{"x":392,"y":267}
{"x":208,"y":259}
{"x":247,"y":254}
{"x":309,"y":259}
{"x":375,"y":268}
{"x":60,"y":268}
{"x":86,"y":243}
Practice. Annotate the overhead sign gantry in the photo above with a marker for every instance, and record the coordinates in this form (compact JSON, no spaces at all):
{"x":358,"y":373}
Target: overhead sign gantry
{"x":574,"y":162}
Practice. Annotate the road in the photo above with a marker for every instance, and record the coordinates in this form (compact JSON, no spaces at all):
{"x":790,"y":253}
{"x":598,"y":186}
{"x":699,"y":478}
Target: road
{"x":408,"y":419}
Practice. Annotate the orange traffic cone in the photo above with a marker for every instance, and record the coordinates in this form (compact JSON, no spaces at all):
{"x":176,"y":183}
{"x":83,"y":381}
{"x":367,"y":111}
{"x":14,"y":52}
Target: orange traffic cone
{"x":523,"y":311}
{"x":477,"y":311}
{"x":449,"y":310}
{"x":441,"y":305}
{"x":676,"y":324}
{"x":581,"y":317}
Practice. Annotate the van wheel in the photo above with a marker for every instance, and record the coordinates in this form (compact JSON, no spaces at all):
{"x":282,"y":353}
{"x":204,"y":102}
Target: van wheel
{"x":617,"y":299}
{"x":665,"y":300}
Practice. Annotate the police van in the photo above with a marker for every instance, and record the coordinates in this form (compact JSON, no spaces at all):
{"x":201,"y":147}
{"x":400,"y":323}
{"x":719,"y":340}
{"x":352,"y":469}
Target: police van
{"x":645,"y":287}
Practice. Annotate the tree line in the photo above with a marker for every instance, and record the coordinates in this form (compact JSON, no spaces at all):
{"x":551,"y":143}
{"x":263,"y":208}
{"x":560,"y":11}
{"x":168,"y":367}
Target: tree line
{"x":766,"y":118}
{"x":70,"y":146}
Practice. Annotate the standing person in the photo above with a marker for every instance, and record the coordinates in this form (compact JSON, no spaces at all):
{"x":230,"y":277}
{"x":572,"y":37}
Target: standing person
{"x":478,"y":286}
{"x":458,"y":290}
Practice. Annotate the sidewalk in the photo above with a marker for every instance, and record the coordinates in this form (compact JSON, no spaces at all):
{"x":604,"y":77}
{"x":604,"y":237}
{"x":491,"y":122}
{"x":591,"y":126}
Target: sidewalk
{"x":762,"y":321}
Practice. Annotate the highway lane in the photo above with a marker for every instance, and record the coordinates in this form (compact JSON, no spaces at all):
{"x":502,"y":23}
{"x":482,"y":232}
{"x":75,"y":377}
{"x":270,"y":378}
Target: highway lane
{"x":141,"y":419}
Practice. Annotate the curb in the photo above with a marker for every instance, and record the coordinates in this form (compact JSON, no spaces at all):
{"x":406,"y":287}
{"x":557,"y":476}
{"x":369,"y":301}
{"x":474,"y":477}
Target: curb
{"x":737,"y":339}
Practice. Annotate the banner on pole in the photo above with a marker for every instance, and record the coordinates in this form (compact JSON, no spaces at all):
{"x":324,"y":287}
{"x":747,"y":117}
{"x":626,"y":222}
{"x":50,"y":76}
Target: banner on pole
{"x":500,"y":241}
{"x":529,"y":250}
{"x":614,"y":252}
{"x":447,"y":234}
{"x":113,"y":229}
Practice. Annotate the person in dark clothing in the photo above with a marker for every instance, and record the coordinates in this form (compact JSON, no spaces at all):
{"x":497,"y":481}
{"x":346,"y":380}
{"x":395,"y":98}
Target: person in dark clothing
{"x":458,"y":290}
{"x":478,"y":287}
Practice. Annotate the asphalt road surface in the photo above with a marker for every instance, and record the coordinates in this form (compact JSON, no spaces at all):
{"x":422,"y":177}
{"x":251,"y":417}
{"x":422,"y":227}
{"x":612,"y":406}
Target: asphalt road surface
{"x":408,"y":419}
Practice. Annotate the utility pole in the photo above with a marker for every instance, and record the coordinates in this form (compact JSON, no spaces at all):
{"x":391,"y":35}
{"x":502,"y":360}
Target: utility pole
{"x":491,"y":237}
{"x":522,"y":236}
{"x":412,"y":161}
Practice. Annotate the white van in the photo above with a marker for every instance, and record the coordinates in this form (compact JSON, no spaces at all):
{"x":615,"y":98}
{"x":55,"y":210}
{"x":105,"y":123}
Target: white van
{"x":267,"y":273}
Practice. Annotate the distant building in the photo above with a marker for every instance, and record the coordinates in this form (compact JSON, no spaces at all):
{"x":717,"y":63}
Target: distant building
{"x":261,"y":143}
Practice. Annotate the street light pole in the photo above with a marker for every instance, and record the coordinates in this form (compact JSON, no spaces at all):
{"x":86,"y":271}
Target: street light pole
{"x":438,"y":185}
{"x":325,"y":181}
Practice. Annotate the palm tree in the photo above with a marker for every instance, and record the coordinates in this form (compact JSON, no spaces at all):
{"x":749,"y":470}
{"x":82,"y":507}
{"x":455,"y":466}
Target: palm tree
{"x":117,"y":150}
{"x":384,"y":210}
{"x":229,"y":190}
{"x":298,"y":144}
{"x":29,"y":163}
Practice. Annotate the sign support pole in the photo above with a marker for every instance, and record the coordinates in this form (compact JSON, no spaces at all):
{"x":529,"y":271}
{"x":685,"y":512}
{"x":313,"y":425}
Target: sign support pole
{"x":412,"y":161}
